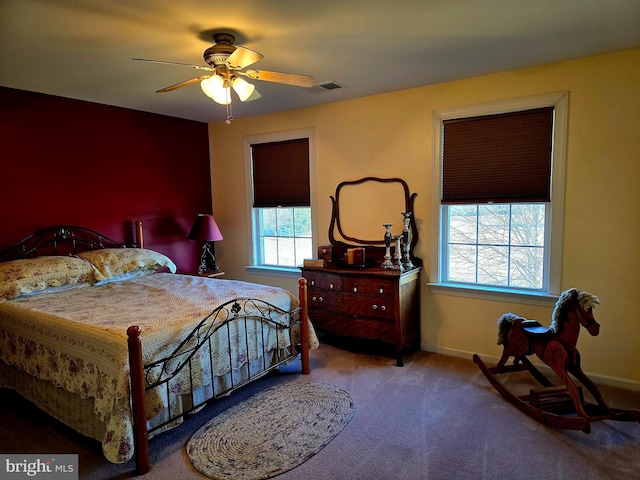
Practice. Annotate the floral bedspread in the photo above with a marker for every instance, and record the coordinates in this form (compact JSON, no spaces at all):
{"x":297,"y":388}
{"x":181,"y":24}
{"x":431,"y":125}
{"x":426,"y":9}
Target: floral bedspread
{"x":77,"y":338}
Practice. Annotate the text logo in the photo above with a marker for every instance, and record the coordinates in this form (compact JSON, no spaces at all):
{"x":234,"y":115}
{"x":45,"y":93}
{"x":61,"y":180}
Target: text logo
{"x":49,"y":467}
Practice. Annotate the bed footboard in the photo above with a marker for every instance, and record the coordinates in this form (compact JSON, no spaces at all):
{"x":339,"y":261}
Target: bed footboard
{"x":145,"y":379}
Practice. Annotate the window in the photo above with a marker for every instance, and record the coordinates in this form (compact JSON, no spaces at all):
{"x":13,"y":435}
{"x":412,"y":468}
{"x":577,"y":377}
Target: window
{"x":500,"y":174}
{"x":280,"y":177}
{"x":284,"y":236}
{"x":498,"y":245}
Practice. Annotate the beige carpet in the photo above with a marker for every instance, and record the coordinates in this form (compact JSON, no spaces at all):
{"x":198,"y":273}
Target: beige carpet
{"x":435,"y":418}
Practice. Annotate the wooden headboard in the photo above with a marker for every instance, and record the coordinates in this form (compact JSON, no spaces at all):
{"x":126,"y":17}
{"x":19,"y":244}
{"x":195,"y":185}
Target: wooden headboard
{"x":66,"y":240}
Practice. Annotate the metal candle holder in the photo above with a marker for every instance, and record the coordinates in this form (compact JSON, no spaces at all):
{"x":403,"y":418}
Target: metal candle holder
{"x":387,"y":242}
{"x":398,"y":254}
{"x":402,"y":254}
{"x":406,"y":234}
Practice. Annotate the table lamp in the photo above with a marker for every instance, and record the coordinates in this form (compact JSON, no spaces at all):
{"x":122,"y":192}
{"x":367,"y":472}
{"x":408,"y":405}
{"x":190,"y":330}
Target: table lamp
{"x":206,"y":230}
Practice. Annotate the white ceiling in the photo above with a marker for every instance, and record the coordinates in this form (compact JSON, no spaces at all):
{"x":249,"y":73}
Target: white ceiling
{"x":83,"y":49}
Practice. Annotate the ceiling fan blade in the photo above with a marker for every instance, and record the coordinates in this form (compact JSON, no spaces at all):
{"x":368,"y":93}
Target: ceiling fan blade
{"x":277,"y":77}
{"x":243,"y":57}
{"x":183,"y":84}
{"x":197,"y":67}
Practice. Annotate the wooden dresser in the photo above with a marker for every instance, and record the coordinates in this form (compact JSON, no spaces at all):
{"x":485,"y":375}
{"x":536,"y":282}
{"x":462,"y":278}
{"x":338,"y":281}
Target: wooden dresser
{"x":371,"y":303}
{"x":368,"y":301}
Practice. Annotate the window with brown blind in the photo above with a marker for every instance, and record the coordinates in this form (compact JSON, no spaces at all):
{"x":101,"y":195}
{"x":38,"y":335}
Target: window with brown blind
{"x":498,"y":158}
{"x":280,"y":173}
{"x":500,"y":181}
{"x":280,"y":182}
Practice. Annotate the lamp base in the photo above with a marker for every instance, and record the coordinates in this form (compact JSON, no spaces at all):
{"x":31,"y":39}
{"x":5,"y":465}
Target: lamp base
{"x":208,"y":259}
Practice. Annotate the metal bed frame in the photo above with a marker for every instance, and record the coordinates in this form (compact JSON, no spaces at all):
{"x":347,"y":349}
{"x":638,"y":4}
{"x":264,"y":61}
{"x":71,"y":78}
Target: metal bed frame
{"x":68,"y":240}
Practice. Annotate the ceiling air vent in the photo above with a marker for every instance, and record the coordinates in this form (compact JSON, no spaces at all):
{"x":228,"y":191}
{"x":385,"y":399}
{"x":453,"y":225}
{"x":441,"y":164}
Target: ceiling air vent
{"x":330,"y":85}
{"x":326,"y":86}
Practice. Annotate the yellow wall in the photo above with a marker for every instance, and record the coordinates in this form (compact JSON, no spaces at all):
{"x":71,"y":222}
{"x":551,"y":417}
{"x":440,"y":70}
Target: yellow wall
{"x":390,"y":135}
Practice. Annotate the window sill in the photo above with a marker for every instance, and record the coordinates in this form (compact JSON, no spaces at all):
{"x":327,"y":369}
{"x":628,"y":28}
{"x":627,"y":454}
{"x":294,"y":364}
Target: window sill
{"x":287,"y":272}
{"x":495,"y":294}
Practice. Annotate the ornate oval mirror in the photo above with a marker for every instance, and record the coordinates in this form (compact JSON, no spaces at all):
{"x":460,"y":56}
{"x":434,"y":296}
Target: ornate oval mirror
{"x":361,"y":208}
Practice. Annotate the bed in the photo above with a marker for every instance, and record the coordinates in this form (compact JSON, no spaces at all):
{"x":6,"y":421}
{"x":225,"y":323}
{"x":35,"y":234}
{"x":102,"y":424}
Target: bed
{"x":108,"y":339}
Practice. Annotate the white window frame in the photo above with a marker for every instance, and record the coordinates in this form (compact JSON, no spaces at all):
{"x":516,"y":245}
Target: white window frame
{"x":253,"y":248}
{"x":555,"y":210}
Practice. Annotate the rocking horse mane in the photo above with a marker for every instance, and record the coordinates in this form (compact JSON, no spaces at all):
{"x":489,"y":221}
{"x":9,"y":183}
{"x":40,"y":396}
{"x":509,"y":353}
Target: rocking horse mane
{"x":585,"y":300}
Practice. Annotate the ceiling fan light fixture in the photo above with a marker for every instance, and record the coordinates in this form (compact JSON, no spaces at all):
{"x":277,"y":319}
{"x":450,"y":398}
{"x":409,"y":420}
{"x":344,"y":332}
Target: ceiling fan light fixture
{"x":227,"y":61}
{"x":243,"y":88}
{"x":214,"y":88}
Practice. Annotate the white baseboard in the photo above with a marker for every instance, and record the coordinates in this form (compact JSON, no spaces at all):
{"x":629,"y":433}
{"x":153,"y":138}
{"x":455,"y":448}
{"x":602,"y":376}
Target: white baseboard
{"x":599,"y":379}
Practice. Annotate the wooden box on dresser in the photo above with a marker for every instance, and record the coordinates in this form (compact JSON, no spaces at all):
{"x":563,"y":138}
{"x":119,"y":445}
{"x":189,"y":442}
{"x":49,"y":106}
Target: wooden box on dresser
{"x":372,"y":303}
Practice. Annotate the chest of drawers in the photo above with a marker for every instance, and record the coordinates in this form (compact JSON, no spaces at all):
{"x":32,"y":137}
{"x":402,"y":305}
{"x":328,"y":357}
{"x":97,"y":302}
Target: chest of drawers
{"x":371,"y":303}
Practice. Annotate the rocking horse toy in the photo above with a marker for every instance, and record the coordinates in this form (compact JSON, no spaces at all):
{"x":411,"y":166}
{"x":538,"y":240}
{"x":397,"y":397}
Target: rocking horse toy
{"x":559,"y":406}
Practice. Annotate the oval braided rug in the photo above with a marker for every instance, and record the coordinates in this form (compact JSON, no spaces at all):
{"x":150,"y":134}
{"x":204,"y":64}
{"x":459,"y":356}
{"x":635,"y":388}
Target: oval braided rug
{"x":271,"y":432}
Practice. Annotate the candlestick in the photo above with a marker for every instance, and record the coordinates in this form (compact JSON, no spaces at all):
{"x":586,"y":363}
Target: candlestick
{"x":406,"y":260}
{"x":398,"y":254}
{"x":387,"y":242}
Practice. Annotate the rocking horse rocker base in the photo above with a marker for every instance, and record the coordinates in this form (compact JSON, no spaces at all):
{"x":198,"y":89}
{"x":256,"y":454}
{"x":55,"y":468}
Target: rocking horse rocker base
{"x":559,"y":406}
{"x":550,"y":404}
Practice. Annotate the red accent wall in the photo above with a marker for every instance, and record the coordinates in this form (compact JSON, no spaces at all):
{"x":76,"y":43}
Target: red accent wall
{"x":78,"y":163}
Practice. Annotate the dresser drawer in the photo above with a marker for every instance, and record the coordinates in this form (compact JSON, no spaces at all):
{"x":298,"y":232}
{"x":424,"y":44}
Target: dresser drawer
{"x":367,"y":306}
{"x":325,"y":280}
{"x":371,"y":303}
{"x":351,"y":305}
{"x":330,"y":322}
{"x":370,"y":286}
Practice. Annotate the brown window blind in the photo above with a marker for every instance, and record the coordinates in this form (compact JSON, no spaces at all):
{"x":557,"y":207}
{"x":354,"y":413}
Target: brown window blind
{"x":498,"y":158}
{"x":281,"y":173}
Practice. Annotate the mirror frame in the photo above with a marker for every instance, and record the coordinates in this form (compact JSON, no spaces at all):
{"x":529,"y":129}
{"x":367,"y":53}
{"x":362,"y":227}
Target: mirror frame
{"x":377,"y":245}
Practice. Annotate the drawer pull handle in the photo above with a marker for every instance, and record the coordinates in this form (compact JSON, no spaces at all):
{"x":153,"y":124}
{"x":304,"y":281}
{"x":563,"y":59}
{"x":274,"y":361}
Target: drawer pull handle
{"x":383,"y":308}
{"x":317,"y":299}
{"x":313,"y":282}
{"x":313,"y":298}
{"x":382,"y":290}
{"x":331,"y":285}
{"x":321,"y":299}
{"x":355,"y":289}
{"x":375,"y":307}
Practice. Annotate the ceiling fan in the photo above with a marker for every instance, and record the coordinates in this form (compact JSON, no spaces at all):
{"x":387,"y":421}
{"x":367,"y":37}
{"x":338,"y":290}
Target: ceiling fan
{"x":228,"y":63}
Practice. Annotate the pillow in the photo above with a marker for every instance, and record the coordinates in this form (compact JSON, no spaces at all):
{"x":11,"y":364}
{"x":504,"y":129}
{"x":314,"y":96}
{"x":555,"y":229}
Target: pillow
{"x":118,"y":263}
{"x":32,"y":275}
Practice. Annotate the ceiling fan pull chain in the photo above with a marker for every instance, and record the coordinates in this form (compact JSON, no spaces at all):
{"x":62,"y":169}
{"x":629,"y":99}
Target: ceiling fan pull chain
{"x":229,"y":114}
